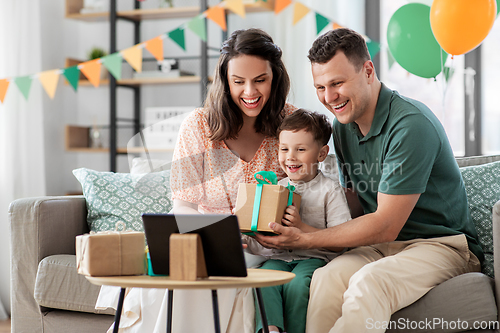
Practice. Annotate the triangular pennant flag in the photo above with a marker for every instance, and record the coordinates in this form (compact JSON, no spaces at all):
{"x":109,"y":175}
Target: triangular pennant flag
{"x":279,"y":5}
{"x":24,"y":85}
{"x":448,"y":73}
{"x":49,"y":80}
{"x":336,"y":26}
{"x":72,"y":75}
{"x":177,"y":36}
{"x":155,"y":47}
{"x":236,"y":6}
{"x":390,"y":58}
{"x":373,"y":48}
{"x":133,"y":55}
{"x":197,"y":25}
{"x":321,"y":22}
{"x":113,"y":64}
{"x":4,"y":85}
{"x":218,"y":15}
{"x":92,"y":70}
{"x":299,"y":12}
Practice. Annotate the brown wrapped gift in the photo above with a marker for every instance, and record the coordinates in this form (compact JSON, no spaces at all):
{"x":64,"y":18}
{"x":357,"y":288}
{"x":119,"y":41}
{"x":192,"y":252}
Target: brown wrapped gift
{"x":111,"y":253}
{"x":272,"y":205}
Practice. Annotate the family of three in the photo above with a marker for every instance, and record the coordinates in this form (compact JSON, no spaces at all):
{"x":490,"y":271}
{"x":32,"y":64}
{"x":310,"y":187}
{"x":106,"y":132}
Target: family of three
{"x":410,"y":228}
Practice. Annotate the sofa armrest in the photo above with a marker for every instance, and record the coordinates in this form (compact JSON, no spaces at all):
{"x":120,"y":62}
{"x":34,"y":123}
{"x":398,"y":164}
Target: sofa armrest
{"x":39,"y":227}
{"x":496,"y":251}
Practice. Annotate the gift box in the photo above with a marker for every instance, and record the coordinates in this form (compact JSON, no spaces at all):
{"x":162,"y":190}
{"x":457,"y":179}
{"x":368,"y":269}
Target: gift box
{"x":111,"y":253}
{"x":259,"y":204}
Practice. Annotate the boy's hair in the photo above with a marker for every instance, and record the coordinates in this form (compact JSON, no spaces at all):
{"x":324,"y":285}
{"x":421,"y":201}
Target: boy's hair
{"x":315,"y":123}
{"x":348,"y":41}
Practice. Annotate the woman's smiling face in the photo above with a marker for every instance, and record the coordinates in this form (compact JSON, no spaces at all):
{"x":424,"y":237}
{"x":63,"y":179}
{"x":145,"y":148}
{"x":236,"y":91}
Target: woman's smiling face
{"x":250,"y":79}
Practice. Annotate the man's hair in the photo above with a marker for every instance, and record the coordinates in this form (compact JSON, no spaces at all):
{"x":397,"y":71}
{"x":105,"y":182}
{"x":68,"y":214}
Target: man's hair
{"x":225,"y":118}
{"x":348,"y":41}
{"x":315,"y":123}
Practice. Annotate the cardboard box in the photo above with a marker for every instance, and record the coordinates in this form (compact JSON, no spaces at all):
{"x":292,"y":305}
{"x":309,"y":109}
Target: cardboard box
{"x":272,"y":205}
{"x":111,"y":253}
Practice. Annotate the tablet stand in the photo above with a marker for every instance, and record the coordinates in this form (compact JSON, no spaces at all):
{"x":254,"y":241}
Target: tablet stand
{"x":187,"y":261}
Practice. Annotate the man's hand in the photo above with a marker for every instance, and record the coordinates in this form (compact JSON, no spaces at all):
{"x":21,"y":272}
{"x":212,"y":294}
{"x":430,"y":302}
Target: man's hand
{"x":288,"y":238}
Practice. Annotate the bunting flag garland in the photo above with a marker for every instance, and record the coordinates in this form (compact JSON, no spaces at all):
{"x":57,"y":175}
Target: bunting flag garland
{"x":4,"y":85}
{"x":373,"y":48}
{"x":155,"y":47}
{"x":236,"y":6}
{"x":218,"y":15}
{"x":177,"y":36}
{"x":113,"y":64}
{"x":279,"y":5}
{"x":133,"y":55}
{"x":24,"y":85}
{"x":299,"y":11}
{"x":72,"y":75}
{"x":321,"y":22}
{"x":92,"y":70}
{"x":197,"y":25}
{"x":49,"y":80}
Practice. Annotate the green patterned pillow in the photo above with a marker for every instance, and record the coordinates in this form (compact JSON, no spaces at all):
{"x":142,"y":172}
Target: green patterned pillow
{"x":482,"y":184}
{"x":123,"y":197}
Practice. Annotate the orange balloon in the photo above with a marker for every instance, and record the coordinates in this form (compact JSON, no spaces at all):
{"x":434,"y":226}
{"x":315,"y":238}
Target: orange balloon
{"x":461,"y":25}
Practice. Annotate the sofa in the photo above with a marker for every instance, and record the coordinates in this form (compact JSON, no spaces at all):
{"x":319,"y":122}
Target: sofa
{"x":47,"y":294}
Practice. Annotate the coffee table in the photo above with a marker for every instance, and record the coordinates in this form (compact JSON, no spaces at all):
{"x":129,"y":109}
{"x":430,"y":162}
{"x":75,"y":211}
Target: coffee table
{"x":256,"y":279}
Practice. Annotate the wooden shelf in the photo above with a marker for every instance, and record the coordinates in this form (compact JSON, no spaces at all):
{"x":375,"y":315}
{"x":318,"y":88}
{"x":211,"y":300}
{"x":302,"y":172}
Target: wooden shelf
{"x":73,"y":11}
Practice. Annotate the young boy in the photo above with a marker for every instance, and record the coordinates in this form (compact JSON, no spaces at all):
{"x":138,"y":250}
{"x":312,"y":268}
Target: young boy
{"x":303,"y":136}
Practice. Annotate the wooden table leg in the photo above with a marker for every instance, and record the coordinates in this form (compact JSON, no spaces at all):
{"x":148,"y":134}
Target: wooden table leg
{"x":265,"y":327}
{"x":119,"y":309}
{"x":215,"y":306}
{"x":170,"y":303}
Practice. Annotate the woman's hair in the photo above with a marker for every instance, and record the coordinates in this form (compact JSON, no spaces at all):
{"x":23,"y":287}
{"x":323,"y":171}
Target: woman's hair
{"x":315,"y":123}
{"x":348,"y":41}
{"x":225,"y":117}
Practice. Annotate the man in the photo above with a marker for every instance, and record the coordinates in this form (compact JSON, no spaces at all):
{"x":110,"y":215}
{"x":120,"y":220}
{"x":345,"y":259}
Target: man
{"x":396,"y":164}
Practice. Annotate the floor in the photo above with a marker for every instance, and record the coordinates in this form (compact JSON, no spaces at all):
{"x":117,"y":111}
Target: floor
{"x":5,"y":326}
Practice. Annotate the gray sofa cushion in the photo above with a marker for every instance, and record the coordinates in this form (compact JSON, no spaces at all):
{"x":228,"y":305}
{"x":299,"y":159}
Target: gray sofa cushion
{"x":59,"y":286}
{"x":468,"y":297}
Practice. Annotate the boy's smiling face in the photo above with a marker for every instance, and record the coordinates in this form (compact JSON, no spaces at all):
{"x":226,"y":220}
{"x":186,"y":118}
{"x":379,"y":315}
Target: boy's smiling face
{"x":299,"y":155}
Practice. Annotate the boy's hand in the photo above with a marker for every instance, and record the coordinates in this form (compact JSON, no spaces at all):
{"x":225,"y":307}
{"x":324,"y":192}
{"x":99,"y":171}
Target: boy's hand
{"x":291,"y":218}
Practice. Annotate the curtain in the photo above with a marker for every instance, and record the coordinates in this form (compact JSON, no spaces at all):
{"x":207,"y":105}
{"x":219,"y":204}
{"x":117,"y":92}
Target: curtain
{"x":22,"y":172}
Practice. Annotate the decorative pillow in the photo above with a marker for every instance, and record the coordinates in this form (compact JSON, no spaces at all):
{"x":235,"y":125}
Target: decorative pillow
{"x":482,"y":184}
{"x":123,"y":197}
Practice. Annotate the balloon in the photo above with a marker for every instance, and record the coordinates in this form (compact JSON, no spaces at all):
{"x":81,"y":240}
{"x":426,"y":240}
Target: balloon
{"x":461,"y":25}
{"x":412,"y":43}
{"x":498,"y":6}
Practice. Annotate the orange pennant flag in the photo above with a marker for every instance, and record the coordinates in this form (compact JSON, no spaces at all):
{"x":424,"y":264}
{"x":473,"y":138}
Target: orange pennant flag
{"x":218,"y":15}
{"x":155,"y":47}
{"x":92,"y":70}
{"x":236,"y":6}
{"x":336,"y":26}
{"x":4,"y":84}
{"x":133,"y":55}
{"x":49,"y":80}
{"x":280,"y":5}
{"x":299,"y":12}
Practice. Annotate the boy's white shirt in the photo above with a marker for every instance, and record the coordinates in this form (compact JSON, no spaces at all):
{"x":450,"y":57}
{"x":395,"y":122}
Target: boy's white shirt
{"x":323,"y":205}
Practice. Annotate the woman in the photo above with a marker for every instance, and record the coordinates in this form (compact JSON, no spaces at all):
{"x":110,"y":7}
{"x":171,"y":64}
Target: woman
{"x":219,"y":146}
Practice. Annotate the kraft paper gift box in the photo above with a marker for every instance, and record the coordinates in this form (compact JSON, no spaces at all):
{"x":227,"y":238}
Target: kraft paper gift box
{"x":111,"y":253}
{"x":271,"y":206}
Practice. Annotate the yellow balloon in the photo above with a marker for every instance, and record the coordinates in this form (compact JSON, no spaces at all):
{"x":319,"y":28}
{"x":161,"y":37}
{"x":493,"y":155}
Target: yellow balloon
{"x":461,"y":25}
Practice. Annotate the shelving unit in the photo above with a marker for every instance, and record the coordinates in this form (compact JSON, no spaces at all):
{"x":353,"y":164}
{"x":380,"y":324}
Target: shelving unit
{"x":135,"y":17}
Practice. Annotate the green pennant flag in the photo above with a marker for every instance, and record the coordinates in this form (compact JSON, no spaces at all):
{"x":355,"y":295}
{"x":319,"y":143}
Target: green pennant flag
{"x":197,"y":25}
{"x":448,"y":73}
{"x":72,"y":75}
{"x":373,"y":48}
{"x":24,"y":85}
{"x":113,"y":64}
{"x":321,"y":22}
{"x":177,"y":36}
{"x":390,"y":58}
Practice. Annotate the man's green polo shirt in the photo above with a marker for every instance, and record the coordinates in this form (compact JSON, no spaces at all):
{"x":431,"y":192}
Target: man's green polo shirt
{"x":407,"y":151}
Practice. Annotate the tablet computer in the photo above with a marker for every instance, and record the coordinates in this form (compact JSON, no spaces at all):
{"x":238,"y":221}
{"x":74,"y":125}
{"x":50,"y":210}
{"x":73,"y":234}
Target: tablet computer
{"x":220,"y":238}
